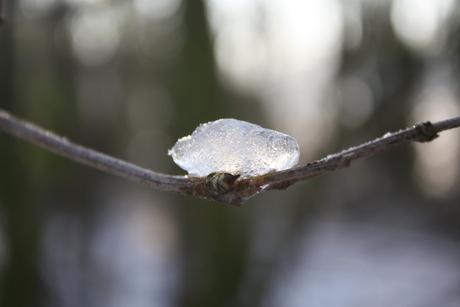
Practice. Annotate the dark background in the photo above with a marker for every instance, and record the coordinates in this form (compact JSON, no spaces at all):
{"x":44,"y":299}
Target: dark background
{"x":129,"y":78}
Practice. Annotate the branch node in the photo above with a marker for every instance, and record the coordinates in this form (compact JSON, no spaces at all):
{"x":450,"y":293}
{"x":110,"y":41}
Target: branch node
{"x":426,"y":132}
{"x":221,"y":187}
{"x":347,"y":158}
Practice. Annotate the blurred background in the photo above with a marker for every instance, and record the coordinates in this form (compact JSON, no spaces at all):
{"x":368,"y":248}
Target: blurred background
{"x":130,"y":77}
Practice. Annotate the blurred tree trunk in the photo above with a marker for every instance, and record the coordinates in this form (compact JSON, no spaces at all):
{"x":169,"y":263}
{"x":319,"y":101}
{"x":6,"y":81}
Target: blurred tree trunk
{"x":382,"y":57}
{"x":197,"y":95}
{"x":213,"y":251}
{"x":20,"y":283}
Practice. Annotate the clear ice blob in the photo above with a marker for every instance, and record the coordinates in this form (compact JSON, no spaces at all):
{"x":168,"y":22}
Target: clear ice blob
{"x":236,"y":147}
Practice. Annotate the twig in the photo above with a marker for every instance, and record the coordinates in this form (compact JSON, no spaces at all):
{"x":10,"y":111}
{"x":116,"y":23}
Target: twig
{"x":61,"y":146}
{"x":424,"y":132}
{"x":220,"y":187}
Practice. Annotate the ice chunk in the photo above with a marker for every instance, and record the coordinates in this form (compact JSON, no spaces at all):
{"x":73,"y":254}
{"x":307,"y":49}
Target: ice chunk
{"x":235,"y":147}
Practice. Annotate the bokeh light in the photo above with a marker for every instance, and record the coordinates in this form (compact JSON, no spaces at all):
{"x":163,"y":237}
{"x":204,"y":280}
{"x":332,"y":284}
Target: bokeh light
{"x":422,"y":24}
{"x":129,"y":78}
{"x":95,"y":34}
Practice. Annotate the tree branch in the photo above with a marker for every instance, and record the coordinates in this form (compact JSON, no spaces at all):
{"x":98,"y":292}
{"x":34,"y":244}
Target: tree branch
{"x":61,"y":146}
{"x":220,"y":187}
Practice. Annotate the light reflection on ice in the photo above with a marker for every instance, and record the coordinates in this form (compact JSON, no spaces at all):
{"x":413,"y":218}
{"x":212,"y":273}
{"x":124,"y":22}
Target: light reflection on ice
{"x":235,"y":147}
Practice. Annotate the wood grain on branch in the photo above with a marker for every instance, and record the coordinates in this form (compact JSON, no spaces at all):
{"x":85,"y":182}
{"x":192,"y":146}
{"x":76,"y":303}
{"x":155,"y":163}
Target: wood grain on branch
{"x":220,"y":187}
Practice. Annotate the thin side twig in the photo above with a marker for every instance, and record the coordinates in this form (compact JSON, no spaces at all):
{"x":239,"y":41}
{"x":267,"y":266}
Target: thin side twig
{"x":222,"y":187}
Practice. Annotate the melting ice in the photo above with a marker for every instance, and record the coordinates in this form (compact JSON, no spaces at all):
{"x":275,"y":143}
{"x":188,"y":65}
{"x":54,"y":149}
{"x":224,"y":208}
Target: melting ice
{"x":235,"y":147}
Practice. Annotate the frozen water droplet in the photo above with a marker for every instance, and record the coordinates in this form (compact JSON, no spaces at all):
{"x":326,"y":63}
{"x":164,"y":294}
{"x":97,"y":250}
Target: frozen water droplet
{"x":387,"y":135}
{"x":235,"y":147}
